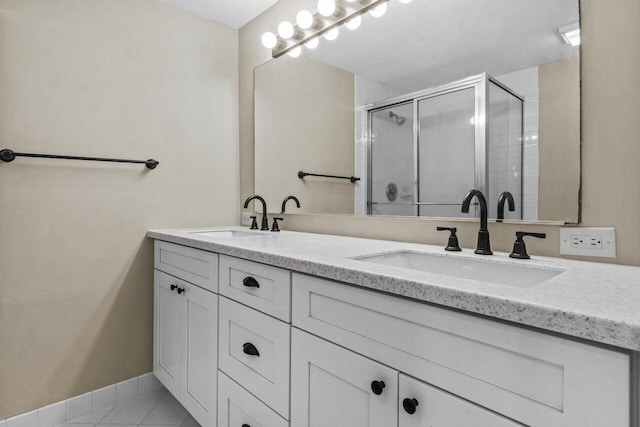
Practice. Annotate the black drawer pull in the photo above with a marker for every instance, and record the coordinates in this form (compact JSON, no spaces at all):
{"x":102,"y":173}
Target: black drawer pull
{"x":246,"y":425}
{"x":410,"y":405}
{"x":250,"y":349}
{"x":377,"y":387}
{"x":173,"y":287}
{"x":250,"y":282}
{"x":180,"y":290}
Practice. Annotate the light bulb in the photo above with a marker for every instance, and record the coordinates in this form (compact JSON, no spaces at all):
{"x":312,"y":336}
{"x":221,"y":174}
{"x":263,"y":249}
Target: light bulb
{"x":294,"y":53}
{"x":269,"y":40}
{"x":285,"y":29}
{"x":353,"y":23}
{"x":378,"y":11}
{"x":332,"y":34}
{"x":312,"y":44}
{"x":326,"y":7}
{"x":405,"y":1}
{"x":304,"y":19}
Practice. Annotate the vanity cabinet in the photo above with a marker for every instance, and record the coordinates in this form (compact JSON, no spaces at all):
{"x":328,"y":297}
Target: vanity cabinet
{"x":185,"y":356}
{"x":326,"y":354}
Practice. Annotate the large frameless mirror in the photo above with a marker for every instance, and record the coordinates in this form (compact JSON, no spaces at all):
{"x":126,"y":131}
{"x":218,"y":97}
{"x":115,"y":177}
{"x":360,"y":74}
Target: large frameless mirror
{"x":423,"y":104}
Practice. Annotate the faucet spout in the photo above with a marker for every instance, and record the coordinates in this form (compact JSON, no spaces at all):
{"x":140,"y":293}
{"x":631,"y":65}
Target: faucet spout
{"x":484,"y":245}
{"x":265,"y":221}
{"x":284,"y":203}
{"x":505,"y":197}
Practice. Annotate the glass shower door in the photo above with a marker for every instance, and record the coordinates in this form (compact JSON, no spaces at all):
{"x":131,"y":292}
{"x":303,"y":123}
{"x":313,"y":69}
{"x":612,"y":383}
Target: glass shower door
{"x":446,"y":152}
{"x":391,"y":168}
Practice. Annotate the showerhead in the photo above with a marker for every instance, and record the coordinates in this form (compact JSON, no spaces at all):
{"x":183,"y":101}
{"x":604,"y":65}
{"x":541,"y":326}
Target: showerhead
{"x":399,"y":120}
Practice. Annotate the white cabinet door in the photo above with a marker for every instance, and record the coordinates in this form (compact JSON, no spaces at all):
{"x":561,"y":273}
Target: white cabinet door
{"x":424,"y":405}
{"x":333,"y":387}
{"x":166,"y":331}
{"x":237,"y":407}
{"x":199,"y":353}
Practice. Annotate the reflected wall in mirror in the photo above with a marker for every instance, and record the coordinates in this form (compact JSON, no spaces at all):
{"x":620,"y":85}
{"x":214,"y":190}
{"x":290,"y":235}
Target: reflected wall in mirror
{"x":424,"y":104}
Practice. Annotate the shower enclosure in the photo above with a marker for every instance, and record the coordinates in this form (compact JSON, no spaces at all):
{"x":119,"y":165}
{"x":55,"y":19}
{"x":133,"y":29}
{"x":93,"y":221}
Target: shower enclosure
{"x":427,"y":149}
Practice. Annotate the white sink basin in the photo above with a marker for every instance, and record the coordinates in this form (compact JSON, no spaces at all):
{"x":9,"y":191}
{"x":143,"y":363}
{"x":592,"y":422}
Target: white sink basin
{"x":229,"y":233}
{"x":514,"y":275}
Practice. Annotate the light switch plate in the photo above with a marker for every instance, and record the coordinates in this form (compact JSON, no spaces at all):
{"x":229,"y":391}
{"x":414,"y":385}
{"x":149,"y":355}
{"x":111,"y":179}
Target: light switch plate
{"x":588,"y":241}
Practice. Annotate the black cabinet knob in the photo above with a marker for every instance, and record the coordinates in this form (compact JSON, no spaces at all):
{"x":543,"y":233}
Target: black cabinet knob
{"x":250,"y":282}
{"x":250,"y":349}
{"x":377,"y":387}
{"x":180,"y":290}
{"x":410,"y":405}
{"x":246,"y":425}
{"x":173,"y":287}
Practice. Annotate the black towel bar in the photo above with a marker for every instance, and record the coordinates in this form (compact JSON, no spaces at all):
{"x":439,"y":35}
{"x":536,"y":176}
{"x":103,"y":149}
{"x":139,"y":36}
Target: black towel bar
{"x":9,"y":156}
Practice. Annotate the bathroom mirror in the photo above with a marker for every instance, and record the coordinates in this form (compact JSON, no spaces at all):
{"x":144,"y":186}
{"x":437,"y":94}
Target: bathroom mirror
{"x":423,"y":104}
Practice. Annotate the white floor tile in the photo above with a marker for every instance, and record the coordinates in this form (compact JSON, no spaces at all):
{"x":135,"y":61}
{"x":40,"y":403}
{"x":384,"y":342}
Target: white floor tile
{"x":104,"y":397}
{"x":129,"y":412}
{"x":167,"y":411}
{"x":149,"y":383}
{"x":190,"y":422}
{"x":154,"y":395}
{"x":30,"y":419}
{"x":92,"y":418}
{"x":52,"y":415}
{"x":75,"y":425}
{"x":79,"y":406}
{"x":126,"y":390}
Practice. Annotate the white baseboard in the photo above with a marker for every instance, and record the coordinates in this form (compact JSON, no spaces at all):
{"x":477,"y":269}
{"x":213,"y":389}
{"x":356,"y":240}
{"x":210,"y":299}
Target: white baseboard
{"x":60,"y":412}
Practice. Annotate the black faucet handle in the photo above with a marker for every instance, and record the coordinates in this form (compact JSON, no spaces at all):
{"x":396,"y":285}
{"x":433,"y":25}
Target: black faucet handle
{"x":254,"y":223}
{"x":519,"y":248}
{"x":275,"y":227}
{"x":452,"y":245}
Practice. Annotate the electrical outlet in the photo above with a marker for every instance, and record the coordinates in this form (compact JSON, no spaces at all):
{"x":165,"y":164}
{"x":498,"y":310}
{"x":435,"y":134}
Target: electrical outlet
{"x":588,"y":241}
{"x":246,"y":218}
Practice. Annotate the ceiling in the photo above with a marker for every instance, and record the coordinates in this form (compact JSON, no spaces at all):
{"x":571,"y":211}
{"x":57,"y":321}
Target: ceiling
{"x":233,"y":13}
{"x":429,"y":42}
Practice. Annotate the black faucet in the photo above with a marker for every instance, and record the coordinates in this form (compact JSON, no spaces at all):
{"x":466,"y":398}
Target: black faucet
{"x":284,"y":203}
{"x":265,"y":221}
{"x":505,"y":197}
{"x":484,"y":246}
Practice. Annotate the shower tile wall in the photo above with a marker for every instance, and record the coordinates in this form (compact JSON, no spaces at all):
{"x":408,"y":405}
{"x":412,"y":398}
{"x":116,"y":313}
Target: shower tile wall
{"x":367,"y":92}
{"x":525,"y":83}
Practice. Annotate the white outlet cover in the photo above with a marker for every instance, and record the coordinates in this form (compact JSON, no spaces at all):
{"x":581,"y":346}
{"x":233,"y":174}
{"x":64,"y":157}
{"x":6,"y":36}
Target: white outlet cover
{"x":246,"y":218}
{"x":606,"y":234}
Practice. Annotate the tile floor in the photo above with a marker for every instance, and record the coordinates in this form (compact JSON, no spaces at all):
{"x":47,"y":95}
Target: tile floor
{"x":156,"y":409}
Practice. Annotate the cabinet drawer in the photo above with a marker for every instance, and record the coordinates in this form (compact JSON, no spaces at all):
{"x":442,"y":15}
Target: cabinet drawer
{"x":436,"y":408}
{"x":536,"y":378}
{"x":237,"y":407}
{"x":193,"y":265}
{"x":263,"y":287}
{"x":254,"y":351}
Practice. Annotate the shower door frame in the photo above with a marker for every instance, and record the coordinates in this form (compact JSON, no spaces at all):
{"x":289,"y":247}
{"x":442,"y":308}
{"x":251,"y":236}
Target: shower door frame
{"x":480,"y":83}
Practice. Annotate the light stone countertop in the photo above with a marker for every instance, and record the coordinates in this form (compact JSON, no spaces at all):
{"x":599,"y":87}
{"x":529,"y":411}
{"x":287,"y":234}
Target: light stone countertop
{"x":593,"y":301}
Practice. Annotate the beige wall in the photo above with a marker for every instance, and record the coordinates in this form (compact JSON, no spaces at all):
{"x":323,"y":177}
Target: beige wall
{"x":559,"y":124}
{"x":610,"y":148}
{"x":113,"y":78}
{"x":304,"y":121}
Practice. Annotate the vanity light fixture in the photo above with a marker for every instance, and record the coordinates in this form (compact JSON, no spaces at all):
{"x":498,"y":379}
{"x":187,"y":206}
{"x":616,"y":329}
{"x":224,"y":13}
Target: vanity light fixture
{"x":326,"y":21}
{"x":571,"y":34}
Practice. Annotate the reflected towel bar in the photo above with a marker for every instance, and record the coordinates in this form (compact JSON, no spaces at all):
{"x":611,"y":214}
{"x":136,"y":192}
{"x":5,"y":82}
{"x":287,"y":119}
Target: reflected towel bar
{"x":353,"y":179}
{"x":9,"y":156}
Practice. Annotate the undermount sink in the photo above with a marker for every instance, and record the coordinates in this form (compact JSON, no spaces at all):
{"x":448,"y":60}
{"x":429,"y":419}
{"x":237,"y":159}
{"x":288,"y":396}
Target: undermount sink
{"x":513,"y":275}
{"x":228,"y":233}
